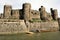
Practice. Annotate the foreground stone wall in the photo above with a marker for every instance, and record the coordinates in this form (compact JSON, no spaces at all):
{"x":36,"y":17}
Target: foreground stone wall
{"x":44,"y":26}
{"x":21,"y":26}
{"x":12,"y":27}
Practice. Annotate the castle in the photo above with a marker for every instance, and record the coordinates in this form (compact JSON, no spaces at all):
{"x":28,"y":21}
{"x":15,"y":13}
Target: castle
{"x":18,"y":20}
{"x":26,"y":13}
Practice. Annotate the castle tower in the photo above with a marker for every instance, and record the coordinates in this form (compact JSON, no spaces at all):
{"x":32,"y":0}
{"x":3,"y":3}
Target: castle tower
{"x":43,"y":13}
{"x":7,"y":11}
{"x":54,"y":14}
{"x":26,"y":11}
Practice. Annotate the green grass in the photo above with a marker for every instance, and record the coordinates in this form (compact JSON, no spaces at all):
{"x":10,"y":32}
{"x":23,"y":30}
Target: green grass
{"x":38,"y":20}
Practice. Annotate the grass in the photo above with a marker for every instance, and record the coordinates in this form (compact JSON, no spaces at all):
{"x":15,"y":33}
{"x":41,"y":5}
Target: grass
{"x":38,"y":20}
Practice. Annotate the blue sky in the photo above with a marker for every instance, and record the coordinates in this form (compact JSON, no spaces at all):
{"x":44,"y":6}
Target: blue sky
{"x":17,"y":4}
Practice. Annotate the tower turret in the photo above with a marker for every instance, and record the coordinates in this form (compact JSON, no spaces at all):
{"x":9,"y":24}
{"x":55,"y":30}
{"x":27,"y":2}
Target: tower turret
{"x":26,"y":11}
{"x":54,"y":14}
{"x":43,"y":13}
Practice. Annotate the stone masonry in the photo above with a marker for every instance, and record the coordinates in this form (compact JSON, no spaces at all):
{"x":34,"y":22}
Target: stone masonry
{"x":12,"y":27}
{"x":26,"y":11}
{"x":43,"y":13}
{"x":7,"y":11}
{"x":54,"y":14}
{"x":15,"y":14}
{"x":26,"y":19}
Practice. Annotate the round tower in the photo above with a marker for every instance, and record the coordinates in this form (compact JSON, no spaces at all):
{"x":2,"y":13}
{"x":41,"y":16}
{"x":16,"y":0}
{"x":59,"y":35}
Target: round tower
{"x":43,"y":13}
{"x":54,"y":13}
{"x":26,"y":11}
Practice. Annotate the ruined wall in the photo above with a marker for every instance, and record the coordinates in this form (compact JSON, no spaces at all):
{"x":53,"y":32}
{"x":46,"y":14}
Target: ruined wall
{"x":12,"y":27}
{"x":26,"y":11}
{"x":44,"y":26}
{"x":49,"y":17}
{"x":15,"y":14}
{"x":7,"y":11}
{"x":21,"y":14}
{"x":35,"y":14}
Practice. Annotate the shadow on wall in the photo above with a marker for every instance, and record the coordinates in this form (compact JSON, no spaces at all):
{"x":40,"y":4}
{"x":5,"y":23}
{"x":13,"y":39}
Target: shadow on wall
{"x":59,"y":23}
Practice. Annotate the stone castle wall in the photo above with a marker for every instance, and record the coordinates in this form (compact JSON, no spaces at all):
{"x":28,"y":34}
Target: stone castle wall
{"x":12,"y":27}
{"x":9,"y":20}
{"x":44,"y":26}
{"x":15,"y":14}
{"x":18,"y":27}
{"x":35,"y":14}
{"x":26,"y":11}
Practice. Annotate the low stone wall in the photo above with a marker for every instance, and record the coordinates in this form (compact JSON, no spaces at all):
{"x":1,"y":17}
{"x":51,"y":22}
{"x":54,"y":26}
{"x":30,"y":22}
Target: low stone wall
{"x":44,"y":26}
{"x":12,"y":27}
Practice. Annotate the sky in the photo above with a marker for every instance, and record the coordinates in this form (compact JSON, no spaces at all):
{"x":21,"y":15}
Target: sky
{"x":35,"y":4}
